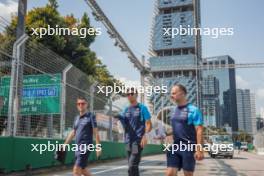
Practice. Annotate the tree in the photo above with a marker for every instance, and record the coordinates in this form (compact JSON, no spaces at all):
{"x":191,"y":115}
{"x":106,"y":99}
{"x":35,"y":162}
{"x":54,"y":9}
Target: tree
{"x":53,"y":4}
{"x":71,"y":47}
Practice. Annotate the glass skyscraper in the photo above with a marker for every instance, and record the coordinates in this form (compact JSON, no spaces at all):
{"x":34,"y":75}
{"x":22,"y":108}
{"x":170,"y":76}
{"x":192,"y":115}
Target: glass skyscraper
{"x":210,"y":100}
{"x":218,"y":68}
{"x":246,"y":110}
{"x":173,"y":54}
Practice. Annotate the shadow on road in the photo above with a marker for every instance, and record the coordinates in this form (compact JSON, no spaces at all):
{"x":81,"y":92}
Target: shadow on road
{"x":223,"y":169}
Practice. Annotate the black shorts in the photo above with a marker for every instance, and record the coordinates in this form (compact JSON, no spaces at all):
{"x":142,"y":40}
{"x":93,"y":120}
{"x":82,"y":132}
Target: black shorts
{"x":181,"y":160}
{"x":81,"y":160}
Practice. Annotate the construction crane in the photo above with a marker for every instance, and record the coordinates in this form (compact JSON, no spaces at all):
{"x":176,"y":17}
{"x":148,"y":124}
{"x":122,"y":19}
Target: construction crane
{"x":119,"y":41}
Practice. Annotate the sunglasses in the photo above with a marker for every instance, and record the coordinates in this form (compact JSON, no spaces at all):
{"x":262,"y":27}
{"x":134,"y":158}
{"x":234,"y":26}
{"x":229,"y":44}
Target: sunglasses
{"x":81,"y":104}
{"x":130,"y":94}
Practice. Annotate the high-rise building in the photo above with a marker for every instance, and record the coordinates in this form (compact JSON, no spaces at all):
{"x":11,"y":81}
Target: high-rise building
{"x":171,"y":54}
{"x":246,"y":111}
{"x":253,"y":112}
{"x":210,"y":103}
{"x":260,"y":123}
{"x":218,"y":67}
{"x":262,"y":112}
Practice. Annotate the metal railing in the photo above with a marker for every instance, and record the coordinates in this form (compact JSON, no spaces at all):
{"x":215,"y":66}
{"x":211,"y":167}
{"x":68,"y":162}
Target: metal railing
{"x":38,"y":93}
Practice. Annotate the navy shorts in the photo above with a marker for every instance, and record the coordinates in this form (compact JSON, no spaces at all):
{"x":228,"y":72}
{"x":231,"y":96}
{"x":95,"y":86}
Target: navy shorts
{"x":81,"y":160}
{"x":181,"y":160}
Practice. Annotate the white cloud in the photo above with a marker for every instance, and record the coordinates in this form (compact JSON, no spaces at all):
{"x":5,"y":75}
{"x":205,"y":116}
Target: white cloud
{"x":7,"y":8}
{"x":128,"y":82}
{"x":262,"y":74}
{"x":260,"y":93}
{"x":241,"y":82}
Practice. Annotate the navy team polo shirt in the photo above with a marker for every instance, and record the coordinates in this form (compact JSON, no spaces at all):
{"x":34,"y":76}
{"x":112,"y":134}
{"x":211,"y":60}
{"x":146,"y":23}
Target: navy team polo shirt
{"x":83,"y":127}
{"x":133,"y":119}
{"x":183,"y":122}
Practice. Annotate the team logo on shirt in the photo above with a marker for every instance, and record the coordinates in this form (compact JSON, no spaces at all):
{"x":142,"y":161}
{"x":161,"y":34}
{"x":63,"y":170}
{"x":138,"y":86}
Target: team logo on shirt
{"x":181,"y":114}
{"x":133,"y":113}
{"x":85,"y":121}
{"x":136,"y":112}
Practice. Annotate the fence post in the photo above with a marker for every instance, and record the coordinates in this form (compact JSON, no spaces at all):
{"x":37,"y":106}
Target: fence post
{"x":63,"y":99}
{"x":142,"y":80}
{"x":16,"y":85}
{"x":110,"y":119}
{"x":92,"y":90}
{"x":50,"y":126}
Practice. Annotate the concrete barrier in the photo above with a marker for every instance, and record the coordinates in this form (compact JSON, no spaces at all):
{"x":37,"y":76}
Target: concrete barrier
{"x":16,"y":154}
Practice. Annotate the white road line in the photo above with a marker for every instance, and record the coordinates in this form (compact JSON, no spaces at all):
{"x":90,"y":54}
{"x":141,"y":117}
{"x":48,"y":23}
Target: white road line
{"x":112,"y":169}
{"x":120,"y":167}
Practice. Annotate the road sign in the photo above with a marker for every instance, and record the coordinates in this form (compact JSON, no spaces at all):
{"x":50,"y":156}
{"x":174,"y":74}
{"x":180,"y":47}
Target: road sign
{"x":41,"y":94}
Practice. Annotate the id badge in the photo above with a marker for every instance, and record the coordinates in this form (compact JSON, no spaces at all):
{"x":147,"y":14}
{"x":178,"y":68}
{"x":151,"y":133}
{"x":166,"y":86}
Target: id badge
{"x":134,"y":148}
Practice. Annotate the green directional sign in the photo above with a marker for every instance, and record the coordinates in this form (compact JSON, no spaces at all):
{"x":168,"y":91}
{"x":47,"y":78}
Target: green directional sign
{"x":41,"y":94}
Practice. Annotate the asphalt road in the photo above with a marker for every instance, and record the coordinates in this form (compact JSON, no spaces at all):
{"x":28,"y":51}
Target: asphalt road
{"x":244,"y":164}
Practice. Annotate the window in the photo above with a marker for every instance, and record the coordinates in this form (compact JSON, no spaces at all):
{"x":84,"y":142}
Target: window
{"x":160,"y":74}
{"x":167,"y":52}
{"x":223,"y":62}
{"x":192,"y":51}
{"x":167,"y":11}
{"x":177,"y":73}
{"x":177,"y":52}
{"x":186,"y":73}
{"x":185,"y":51}
{"x":166,"y":1}
{"x":182,"y":19}
{"x":217,"y":63}
{"x":176,"y":9}
{"x":184,"y":9}
{"x":168,"y":74}
{"x":159,"y":53}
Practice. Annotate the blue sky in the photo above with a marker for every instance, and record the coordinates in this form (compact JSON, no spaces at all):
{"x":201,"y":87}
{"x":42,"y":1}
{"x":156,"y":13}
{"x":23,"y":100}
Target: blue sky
{"x":133,"y":19}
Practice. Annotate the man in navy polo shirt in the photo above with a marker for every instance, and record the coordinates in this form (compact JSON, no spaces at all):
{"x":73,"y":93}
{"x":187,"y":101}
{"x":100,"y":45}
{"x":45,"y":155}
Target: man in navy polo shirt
{"x":85,"y":126}
{"x":186,"y":121}
{"x":136,"y":122}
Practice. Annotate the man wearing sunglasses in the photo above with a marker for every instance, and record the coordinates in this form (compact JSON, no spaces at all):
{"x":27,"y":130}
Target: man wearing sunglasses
{"x":136,"y":122}
{"x":85,"y":126}
{"x":186,"y":121}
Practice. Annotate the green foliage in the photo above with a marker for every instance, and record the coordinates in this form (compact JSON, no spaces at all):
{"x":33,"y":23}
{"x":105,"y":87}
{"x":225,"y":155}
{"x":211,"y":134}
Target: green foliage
{"x":71,"y":47}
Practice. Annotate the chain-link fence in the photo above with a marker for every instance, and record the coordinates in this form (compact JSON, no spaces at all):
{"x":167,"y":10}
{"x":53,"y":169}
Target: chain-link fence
{"x":38,"y":92}
{"x":39,"y":88}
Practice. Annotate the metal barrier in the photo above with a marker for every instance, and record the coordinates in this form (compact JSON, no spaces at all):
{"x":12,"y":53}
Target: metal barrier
{"x":16,"y":154}
{"x":38,"y":91}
